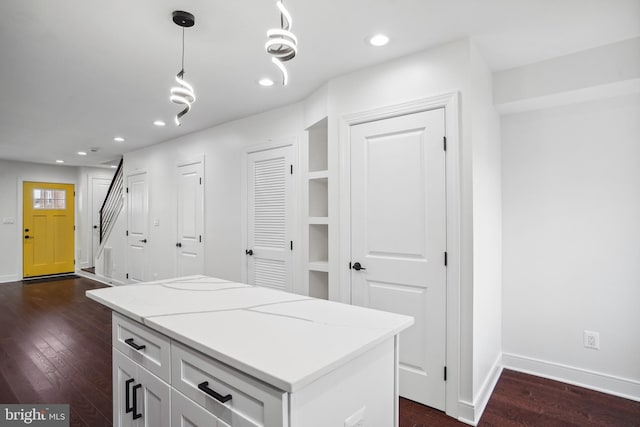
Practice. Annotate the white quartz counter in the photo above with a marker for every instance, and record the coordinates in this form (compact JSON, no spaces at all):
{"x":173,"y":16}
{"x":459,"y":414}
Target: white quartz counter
{"x":283,"y":339}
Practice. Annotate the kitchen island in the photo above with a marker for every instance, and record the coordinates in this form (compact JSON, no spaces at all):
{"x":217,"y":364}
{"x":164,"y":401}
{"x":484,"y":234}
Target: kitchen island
{"x":208,"y":352}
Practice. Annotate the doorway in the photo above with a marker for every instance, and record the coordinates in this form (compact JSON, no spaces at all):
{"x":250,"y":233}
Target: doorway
{"x":48,"y":228}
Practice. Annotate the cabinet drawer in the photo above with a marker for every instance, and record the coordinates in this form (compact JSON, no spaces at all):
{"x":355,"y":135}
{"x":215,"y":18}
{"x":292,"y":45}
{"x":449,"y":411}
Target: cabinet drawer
{"x":144,"y":346}
{"x":186,"y":413}
{"x":252,"y":403}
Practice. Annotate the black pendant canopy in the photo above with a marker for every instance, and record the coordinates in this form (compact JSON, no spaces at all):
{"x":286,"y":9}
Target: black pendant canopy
{"x":184,"y":19}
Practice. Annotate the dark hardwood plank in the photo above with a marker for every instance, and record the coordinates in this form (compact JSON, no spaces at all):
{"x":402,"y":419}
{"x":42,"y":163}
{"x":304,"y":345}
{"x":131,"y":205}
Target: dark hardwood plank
{"x":526,"y":400}
{"x":55,"y":347}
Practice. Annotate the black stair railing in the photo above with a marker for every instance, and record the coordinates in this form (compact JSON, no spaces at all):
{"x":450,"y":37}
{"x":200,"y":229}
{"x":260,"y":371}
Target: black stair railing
{"x":112,"y":203}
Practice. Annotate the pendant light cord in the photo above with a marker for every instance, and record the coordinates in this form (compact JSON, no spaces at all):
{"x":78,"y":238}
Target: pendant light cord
{"x":182,"y":50}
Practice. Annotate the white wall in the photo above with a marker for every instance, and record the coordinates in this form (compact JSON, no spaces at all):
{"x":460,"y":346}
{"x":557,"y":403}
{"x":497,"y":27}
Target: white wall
{"x":11,"y":176}
{"x":223,"y":148}
{"x":578,"y":77}
{"x":487,"y":234}
{"x":571,"y":233}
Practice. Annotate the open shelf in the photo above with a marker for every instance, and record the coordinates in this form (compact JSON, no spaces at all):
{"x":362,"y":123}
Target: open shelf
{"x":320,"y":220}
{"x":318,"y":197}
{"x":323,"y":174}
{"x":319,"y":284}
{"x":318,"y":242}
{"x":319,"y":266}
{"x":318,"y":159}
{"x":317,"y":261}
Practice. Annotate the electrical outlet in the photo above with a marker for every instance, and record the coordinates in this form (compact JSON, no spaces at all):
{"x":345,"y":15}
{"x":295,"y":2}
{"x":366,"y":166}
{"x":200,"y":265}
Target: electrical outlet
{"x":591,"y":340}
{"x":357,"y":419}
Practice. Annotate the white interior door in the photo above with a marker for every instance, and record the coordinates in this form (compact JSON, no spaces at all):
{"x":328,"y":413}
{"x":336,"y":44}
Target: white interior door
{"x":398,"y":237}
{"x":137,"y":226}
{"x":190,"y":246}
{"x":270,"y":218}
{"x":99,"y":189}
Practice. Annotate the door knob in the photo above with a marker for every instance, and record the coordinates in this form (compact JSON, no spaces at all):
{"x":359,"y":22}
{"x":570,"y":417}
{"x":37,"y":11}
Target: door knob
{"x":178,"y":245}
{"x":26,"y":237}
{"x":357,"y":266}
{"x":26,"y":230}
{"x":249,"y":252}
{"x":95,"y":226}
{"x":144,"y":240}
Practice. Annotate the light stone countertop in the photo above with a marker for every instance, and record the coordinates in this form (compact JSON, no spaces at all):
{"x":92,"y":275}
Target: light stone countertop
{"x":284,"y":339}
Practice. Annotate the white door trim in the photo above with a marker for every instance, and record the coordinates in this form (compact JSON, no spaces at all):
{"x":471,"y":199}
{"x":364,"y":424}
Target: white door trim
{"x":449,"y":101}
{"x":296,"y":259}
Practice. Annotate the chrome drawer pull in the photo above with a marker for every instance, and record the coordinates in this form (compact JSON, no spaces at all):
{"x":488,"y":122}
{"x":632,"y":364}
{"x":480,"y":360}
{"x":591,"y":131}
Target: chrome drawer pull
{"x":204,"y":386}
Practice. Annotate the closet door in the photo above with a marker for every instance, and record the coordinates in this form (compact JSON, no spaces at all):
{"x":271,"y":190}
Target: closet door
{"x":190,"y":243}
{"x":398,"y":239}
{"x":270,"y":218}
{"x":138,"y":226}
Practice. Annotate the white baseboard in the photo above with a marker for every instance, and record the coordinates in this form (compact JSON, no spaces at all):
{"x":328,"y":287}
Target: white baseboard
{"x":466,"y":412}
{"x":470,"y":413}
{"x":99,"y":278}
{"x":605,"y":383}
{"x":10,"y":278}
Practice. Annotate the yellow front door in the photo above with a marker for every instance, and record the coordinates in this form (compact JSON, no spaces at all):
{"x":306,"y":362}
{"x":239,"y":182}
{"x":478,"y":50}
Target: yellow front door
{"x":48,"y":238}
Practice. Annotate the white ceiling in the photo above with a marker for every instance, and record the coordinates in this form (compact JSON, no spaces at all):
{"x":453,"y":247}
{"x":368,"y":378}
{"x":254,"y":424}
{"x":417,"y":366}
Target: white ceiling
{"x":76,"y":73}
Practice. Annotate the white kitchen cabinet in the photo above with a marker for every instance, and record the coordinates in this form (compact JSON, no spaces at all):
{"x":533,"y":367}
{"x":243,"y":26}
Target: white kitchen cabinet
{"x":140,"y":399}
{"x":222,"y":354}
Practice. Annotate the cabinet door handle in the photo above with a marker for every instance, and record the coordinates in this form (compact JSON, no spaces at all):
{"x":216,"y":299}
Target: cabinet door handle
{"x":204,"y":386}
{"x":127,"y":398}
{"x":130,"y":342}
{"x":135,"y":401}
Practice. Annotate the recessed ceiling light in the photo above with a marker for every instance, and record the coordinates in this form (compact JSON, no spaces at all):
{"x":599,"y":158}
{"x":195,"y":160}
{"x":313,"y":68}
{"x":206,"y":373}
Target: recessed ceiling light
{"x":378,"y":40}
{"x":59,"y":161}
{"x":82,"y":153}
{"x":265,"y":82}
{"x":159,"y":123}
{"x":118,"y":139}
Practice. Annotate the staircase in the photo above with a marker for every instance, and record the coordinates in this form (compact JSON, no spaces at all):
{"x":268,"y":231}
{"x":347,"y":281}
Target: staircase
{"x":112,"y":205}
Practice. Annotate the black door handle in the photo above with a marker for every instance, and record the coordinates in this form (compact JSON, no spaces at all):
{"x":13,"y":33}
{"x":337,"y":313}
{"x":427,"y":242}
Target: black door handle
{"x":26,"y":230}
{"x":144,"y":240}
{"x":249,"y":252}
{"x":136,"y":415}
{"x":178,"y":245}
{"x":26,"y":237}
{"x":358,"y":267}
{"x":95,"y":226}
{"x":127,"y":398}
{"x":130,"y":342}
{"x":204,"y":386}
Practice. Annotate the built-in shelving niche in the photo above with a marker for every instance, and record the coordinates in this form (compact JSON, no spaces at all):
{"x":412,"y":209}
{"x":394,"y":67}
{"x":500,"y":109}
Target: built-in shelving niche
{"x":318,"y":211}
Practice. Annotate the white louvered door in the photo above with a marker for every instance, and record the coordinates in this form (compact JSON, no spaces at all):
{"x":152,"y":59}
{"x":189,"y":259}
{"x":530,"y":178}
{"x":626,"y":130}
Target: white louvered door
{"x":270,"y":218}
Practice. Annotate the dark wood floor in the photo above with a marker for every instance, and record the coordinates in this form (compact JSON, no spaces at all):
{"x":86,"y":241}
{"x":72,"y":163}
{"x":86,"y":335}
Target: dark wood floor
{"x":55,"y":347}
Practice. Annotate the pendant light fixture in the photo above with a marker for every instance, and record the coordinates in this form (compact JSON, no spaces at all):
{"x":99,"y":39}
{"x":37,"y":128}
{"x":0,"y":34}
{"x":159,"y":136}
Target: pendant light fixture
{"x":182,"y":94}
{"x":282,"y":44}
